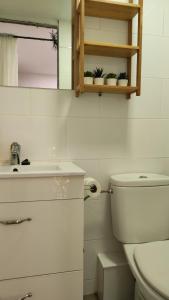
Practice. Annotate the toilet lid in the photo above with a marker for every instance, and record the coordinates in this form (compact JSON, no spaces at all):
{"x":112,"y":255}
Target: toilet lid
{"x":152,"y":260}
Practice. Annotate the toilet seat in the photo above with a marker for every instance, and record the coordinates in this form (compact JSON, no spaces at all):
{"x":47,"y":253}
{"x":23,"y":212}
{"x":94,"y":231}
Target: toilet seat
{"x":140,"y":267}
{"x":152,"y":260}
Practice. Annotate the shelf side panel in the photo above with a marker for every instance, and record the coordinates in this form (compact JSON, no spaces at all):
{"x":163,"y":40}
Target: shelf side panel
{"x":130,"y":42}
{"x":139,"y":42}
{"x":81,"y":39}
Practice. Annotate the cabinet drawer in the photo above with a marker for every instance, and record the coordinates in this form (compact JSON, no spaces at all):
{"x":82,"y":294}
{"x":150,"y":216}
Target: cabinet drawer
{"x":65,"y":286}
{"x":47,"y":188}
{"x":51,"y":242}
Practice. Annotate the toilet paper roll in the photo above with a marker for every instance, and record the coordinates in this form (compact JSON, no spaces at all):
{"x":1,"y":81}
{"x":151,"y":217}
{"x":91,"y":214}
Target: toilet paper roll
{"x":92,"y":187}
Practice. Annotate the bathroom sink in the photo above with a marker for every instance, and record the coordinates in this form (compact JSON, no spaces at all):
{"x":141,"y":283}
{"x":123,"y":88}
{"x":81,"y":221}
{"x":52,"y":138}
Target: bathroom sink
{"x":40,"y":170}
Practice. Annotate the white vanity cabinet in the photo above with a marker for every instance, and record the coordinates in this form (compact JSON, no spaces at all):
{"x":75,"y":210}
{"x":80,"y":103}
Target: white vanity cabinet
{"x":61,"y":286}
{"x":43,"y":253}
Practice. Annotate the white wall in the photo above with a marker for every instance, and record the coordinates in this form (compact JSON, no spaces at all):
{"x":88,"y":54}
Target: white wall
{"x":104,"y":135}
{"x":65,"y":55}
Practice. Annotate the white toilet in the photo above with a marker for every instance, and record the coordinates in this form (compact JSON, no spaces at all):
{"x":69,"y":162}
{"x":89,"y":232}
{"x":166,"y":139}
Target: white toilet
{"x":140,"y":216}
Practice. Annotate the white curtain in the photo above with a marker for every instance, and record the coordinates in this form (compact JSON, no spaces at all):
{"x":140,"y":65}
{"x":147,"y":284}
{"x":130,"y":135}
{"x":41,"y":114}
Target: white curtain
{"x":8,"y":61}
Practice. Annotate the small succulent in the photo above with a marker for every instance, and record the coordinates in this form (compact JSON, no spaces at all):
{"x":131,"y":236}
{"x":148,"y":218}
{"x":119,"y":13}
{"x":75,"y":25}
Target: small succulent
{"x":88,"y":74}
{"x":111,"y":75}
{"x":123,"y":76}
{"x":98,"y":73}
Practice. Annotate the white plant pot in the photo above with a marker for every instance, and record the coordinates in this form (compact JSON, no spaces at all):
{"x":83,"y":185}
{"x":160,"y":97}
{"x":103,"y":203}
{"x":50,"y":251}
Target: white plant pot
{"x":88,"y":80}
{"x":111,"y":81}
{"x":99,"y":81}
{"x":123,"y":82}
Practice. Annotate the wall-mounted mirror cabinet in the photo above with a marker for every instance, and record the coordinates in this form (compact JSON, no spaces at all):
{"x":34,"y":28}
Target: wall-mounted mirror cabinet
{"x":36,"y":44}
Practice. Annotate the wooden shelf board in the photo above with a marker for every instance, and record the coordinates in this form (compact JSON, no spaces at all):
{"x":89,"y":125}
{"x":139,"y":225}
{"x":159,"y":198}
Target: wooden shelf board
{"x":109,"y":89}
{"x":106,"y":49}
{"x":109,"y":9}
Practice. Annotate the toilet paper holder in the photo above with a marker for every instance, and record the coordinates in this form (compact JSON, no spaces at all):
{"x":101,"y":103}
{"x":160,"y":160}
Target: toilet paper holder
{"x":93,"y":189}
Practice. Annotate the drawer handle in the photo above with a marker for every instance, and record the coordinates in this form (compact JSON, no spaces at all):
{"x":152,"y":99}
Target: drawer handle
{"x":15,"y":222}
{"x":28,"y":295}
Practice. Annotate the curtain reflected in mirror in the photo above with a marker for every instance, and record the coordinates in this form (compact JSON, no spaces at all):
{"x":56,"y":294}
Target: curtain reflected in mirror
{"x":8,"y":61}
{"x":28,"y":56}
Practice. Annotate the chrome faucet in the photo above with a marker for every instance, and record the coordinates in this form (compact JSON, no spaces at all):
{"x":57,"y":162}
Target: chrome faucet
{"x":15,"y":153}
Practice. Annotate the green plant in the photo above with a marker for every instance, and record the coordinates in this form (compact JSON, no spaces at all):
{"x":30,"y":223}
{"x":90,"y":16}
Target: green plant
{"x":111,"y":75}
{"x":88,"y":74}
{"x":123,"y":76}
{"x":98,"y":73}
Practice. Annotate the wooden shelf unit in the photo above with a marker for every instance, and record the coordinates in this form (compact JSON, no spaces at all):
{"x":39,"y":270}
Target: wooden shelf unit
{"x":113,"y":10}
{"x":109,"y":89}
{"x":105,"y":49}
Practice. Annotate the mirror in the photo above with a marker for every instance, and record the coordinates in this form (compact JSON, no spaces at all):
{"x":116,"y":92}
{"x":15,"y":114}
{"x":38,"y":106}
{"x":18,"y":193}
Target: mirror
{"x":36,"y":43}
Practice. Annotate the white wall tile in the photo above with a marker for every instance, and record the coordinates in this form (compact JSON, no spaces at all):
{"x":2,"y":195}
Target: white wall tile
{"x":91,"y":167}
{"x":106,"y":36}
{"x":64,"y":104}
{"x":65,"y":68}
{"x":50,"y":102}
{"x":153,"y":11}
{"x":98,"y":223}
{"x":92,"y":23}
{"x":166,"y":17}
{"x":165,"y":99}
{"x":113,"y":106}
{"x":87,"y":105}
{"x":114,"y":25}
{"x":154,"y":62}
{"x":14,"y":101}
{"x":148,"y":105}
{"x":96,"y":138}
{"x":41,"y":138}
{"x":65,"y":34}
{"x":147,"y":138}
{"x":14,"y":128}
{"x":50,"y":135}
{"x":65,"y":55}
{"x":165,"y":165}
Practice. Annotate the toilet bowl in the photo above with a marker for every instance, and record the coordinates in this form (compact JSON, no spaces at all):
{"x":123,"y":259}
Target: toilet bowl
{"x":140,"y":217}
{"x":146,"y":262}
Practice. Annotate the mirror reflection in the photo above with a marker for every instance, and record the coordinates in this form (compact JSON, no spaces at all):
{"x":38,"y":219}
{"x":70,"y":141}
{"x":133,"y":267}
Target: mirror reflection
{"x":28,"y":56}
{"x":35,"y":44}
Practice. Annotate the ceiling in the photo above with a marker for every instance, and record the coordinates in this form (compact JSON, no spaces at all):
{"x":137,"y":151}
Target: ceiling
{"x":47,"y":10}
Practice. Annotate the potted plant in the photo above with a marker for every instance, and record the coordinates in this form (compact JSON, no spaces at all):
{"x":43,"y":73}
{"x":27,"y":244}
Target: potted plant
{"x":88,"y":77}
{"x":123,"y":79}
{"x":111,"y":79}
{"x":98,"y":76}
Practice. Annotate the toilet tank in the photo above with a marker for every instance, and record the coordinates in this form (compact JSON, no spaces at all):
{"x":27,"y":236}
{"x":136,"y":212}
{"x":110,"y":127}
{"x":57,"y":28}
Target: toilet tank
{"x":140,"y":207}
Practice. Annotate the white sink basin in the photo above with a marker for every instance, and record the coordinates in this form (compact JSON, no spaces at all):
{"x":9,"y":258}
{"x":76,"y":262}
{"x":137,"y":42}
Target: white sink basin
{"x":41,"y":170}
